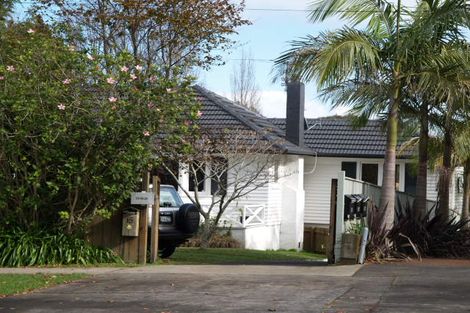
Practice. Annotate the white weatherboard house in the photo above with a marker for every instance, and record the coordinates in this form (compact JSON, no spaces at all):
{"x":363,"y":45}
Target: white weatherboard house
{"x":313,"y":152}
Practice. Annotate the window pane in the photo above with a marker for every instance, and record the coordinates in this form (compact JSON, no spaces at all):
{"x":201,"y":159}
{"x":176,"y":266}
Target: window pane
{"x":410,"y":179}
{"x":370,"y":173}
{"x":350,"y":168}
{"x":169,"y":198}
{"x":218,"y":169}
{"x":198,"y":179}
{"x":397,"y":176}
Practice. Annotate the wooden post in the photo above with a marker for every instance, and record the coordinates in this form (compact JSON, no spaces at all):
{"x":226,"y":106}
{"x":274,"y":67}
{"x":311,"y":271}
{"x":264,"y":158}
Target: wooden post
{"x":330,"y":250}
{"x":155,"y":220}
{"x":143,"y":224}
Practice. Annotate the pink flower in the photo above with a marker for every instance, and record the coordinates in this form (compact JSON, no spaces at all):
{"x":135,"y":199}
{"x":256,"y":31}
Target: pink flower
{"x":139,"y":67}
{"x":111,"y":81}
{"x":124,"y":69}
{"x":146,"y":133}
{"x":150,"y":105}
{"x":170,"y":90}
{"x":11,"y":68}
{"x":152,"y":78}
{"x":61,"y":107}
{"x":133,"y":77}
{"x":112,"y":99}
{"x":66,"y":81}
{"x":113,"y":107}
{"x":2,"y":77}
{"x":199,"y":113}
{"x":90,"y":57}
{"x":31,"y":31}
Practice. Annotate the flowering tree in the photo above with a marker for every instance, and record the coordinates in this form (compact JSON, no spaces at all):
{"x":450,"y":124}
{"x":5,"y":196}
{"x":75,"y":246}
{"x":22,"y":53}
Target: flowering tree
{"x":76,"y":128}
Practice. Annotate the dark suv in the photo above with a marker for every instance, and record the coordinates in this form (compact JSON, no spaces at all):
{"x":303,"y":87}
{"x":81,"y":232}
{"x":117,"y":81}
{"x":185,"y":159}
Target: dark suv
{"x":178,"y":221}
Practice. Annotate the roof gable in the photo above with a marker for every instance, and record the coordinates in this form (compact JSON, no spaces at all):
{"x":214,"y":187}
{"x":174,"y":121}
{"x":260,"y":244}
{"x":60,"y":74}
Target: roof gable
{"x":221,"y":113}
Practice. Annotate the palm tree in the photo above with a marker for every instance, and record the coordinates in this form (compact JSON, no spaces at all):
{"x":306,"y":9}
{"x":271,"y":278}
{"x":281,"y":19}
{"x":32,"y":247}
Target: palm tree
{"x":463,"y":153}
{"x":352,"y":65}
{"x":440,"y":25}
{"x":370,"y":69}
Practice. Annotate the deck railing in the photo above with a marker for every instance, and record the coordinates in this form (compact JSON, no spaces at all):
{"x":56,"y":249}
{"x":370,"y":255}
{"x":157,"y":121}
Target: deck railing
{"x":245,"y":216}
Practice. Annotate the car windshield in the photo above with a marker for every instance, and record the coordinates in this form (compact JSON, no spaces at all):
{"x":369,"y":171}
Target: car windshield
{"x":169,"y":198}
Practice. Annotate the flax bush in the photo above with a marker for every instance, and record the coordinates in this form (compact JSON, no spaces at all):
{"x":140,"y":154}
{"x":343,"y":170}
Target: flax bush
{"x":40,"y":247}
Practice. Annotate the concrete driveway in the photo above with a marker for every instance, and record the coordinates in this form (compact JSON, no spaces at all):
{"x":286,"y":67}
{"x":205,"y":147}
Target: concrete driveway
{"x":373,"y":288}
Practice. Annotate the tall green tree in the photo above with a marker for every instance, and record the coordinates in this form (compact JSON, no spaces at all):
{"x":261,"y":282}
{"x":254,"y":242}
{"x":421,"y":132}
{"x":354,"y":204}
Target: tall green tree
{"x":367,"y":63}
{"x":439,"y":63}
{"x":381,"y":68}
{"x":463,"y":153}
{"x":76,"y":129}
{"x":6,"y":7}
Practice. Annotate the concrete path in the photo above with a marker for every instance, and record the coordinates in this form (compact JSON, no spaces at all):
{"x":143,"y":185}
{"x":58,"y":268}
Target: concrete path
{"x":321,"y":270}
{"x":181,"y":289}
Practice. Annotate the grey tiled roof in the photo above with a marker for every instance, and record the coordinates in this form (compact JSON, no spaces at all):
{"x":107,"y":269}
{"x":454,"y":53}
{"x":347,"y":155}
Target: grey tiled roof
{"x":220,"y":113}
{"x":336,"y":137}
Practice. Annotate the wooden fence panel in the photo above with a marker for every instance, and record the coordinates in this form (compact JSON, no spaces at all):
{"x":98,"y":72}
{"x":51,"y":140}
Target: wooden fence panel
{"x":316,"y":239}
{"x":106,"y":233}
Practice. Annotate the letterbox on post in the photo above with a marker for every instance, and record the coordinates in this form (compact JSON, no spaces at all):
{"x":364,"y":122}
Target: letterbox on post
{"x":130,"y":223}
{"x":364,"y":205}
{"x":350,"y":203}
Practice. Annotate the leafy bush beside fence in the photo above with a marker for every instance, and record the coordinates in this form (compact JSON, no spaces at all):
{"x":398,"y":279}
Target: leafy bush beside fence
{"x":39,"y":247}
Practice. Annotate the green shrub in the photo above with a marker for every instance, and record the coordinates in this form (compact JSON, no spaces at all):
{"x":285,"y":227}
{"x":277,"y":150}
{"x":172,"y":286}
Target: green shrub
{"x":217,"y":240}
{"x":41,"y":247}
{"x":417,"y":235}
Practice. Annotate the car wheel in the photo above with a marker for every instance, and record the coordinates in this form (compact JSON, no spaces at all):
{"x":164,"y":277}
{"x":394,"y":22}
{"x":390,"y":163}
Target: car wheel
{"x":166,"y":252}
{"x":187,"y":218}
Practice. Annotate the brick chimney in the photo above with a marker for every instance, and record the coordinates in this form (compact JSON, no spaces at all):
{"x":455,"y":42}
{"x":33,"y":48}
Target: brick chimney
{"x":295,"y":113}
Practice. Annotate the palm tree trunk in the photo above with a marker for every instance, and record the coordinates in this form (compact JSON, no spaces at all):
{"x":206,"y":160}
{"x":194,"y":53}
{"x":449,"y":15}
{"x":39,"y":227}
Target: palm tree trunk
{"x":387,"y":198}
{"x":466,"y":191}
{"x":422,"y":179}
{"x":444,"y":176}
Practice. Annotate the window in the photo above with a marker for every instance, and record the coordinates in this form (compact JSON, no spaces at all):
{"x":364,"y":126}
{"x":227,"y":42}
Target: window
{"x":459,"y":184}
{"x":169,"y":198}
{"x":370,"y":173}
{"x":219,"y":176}
{"x":397,"y":176}
{"x":197,"y":176}
{"x":410,"y":179}
{"x":350,"y":168}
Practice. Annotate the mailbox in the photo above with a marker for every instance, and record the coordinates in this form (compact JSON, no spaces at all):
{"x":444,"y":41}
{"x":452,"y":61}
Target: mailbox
{"x":355,"y":206}
{"x":130,"y":223}
{"x":364,"y":206}
{"x":350,"y":204}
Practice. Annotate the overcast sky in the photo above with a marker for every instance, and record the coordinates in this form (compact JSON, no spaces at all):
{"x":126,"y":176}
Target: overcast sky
{"x":266,"y":39}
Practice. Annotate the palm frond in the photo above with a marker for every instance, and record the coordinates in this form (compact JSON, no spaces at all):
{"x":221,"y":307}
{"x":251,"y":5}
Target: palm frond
{"x":365,"y":98}
{"x":462,"y":145}
{"x":379,"y":13}
{"x":348,"y":52}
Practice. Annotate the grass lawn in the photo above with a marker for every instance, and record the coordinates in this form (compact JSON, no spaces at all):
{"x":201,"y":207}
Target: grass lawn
{"x":238,"y":256}
{"x":18,"y":283}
